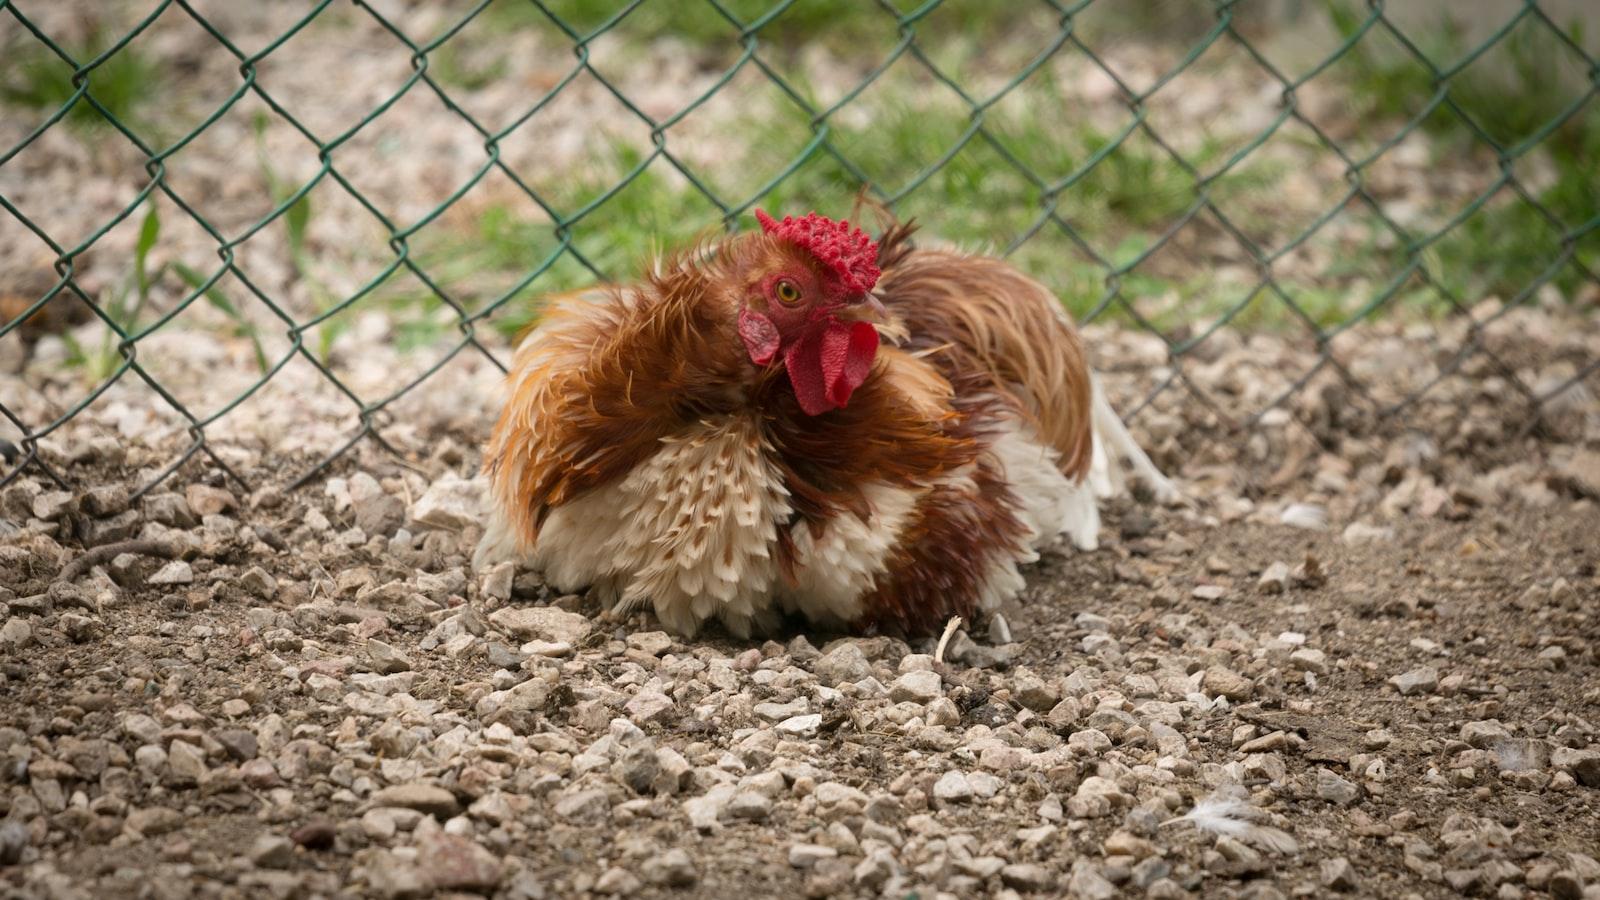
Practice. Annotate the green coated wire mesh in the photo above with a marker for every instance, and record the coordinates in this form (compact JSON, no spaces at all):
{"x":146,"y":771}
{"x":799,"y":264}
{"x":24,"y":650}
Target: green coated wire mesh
{"x":918,"y":103}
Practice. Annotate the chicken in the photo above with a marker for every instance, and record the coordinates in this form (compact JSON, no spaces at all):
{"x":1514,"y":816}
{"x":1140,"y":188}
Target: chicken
{"x":802,"y":421}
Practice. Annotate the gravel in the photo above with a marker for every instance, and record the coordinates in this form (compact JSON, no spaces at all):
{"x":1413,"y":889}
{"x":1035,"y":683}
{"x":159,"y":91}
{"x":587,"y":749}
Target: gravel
{"x":391,"y":728}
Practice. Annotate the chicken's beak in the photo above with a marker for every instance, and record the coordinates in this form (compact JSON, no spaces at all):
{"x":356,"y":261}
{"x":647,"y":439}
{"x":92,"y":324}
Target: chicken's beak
{"x":867,"y":309}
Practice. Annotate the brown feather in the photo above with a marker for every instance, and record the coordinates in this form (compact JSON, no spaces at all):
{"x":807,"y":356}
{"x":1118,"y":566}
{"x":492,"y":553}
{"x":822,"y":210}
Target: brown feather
{"x":608,"y":375}
{"x":962,"y":528}
{"x":989,"y":319}
{"x":896,"y":430}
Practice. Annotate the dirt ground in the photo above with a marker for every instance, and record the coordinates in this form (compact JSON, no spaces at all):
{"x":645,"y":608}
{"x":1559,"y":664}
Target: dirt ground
{"x":309,"y":693}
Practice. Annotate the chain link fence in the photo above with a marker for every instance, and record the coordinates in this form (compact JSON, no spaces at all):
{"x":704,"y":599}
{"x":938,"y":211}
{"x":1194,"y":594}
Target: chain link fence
{"x":1526,"y":188}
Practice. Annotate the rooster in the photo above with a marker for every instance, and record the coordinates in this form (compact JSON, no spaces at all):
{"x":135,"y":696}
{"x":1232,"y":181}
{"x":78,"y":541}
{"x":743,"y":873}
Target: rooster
{"x":802,"y":420}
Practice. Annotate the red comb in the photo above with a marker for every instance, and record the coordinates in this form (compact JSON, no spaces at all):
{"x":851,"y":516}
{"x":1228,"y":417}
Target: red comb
{"x":851,"y":255}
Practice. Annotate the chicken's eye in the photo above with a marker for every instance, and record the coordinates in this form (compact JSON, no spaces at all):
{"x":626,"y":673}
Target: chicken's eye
{"x":787,"y":293}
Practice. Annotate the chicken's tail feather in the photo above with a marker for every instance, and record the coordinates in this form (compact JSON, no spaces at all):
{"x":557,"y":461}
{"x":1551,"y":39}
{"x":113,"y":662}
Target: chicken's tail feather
{"x":1114,"y":447}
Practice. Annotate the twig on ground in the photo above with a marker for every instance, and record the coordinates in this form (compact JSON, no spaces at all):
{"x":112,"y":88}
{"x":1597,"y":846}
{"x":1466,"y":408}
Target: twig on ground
{"x":944,"y":639}
{"x":107,"y":552}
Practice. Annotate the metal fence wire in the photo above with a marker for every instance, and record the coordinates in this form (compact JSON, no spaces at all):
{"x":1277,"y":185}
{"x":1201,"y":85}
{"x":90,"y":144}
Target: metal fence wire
{"x":1413,"y":265}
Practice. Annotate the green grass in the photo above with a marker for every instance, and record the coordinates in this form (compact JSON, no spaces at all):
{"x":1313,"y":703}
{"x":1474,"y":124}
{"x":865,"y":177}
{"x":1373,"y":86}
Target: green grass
{"x":456,"y":65}
{"x":125,"y":302}
{"x":37,"y":79}
{"x":838,"y":24}
{"x":978,"y":199}
{"x":989,"y":194}
{"x":1510,"y":96}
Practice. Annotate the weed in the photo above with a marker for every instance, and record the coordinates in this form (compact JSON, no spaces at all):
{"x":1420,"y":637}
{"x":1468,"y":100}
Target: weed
{"x":456,"y":66}
{"x":296,"y":221}
{"x":214,"y":295}
{"x":123,"y":305}
{"x":1508,"y":243}
{"x":39,"y":79}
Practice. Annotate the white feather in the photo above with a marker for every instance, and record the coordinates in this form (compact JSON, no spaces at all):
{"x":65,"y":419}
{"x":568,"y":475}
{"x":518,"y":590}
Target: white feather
{"x":1226,"y":812}
{"x":1114,"y":447}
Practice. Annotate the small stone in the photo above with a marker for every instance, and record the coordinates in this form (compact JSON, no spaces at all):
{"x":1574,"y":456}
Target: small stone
{"x":1225,"y":682}
{"x":259,"y":583}
{"x":1028,"y":877}
{"x":1033,"y":692}
{"x":1275,"y":580}
{"x":1308,"y":660}
{"x":204,"y":500}
{"x":1088,"y":882}
{"x":317,"y":834}
{"x":396,"y":879}
{"x":583,"y":806}
{"x":999,"y":629}
{"x":186,"y":763}
{"x":673,"y":868}
{"x":545,"y":623}
{"x":16,"y":634}
{"x":169,"y":509}
{"x":381,"y":824}
{"x":1464,"y":882}
{"x":750,"y":806}
{"x":1334,"y":789}
{"x":451,"y":503}
{"x":78,"y":628}
{"x":1122,"y":843}
{"x":154,"y":820}
{"x":272,"y":851}
{"x":385,"y":659}
{"x":375,"y":511}
{"x":804,"y":856}
{"x":454,"y":863}
{"x":1357,"y":533}
{"x":648,"y":706}
{"x":550,"y":649}
{"x":773,"y":712}
{"x":1583,"y":468}
{"x":1305,"y":515}
{"x":800,"y":726}
{"x":240,"y":744}
{"x":1566,"y":885}
{"x":175,"y":572}
{"x":1424,"y":680}
{"x":916,"y":687}
{"x":258,"y":773}
{"x":1065,"y":713}
{"x":943,"y":712}
{"x":1485,"y":734}
{"x":1339,"y":875}
{"x":651,"y":643}
{"x":1209,"y":592}
{"x":617,"y":881}
{"x":420,"y":796}
{"x":1583,"y":764}
{"x":324,"y":687}
{"x":844,"y":663}
{"x":14,"y":839}
{"x":952,"y":787}
{"x":876,"y":869}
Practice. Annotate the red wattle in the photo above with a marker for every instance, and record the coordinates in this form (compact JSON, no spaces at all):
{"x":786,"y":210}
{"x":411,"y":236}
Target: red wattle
{"x":829,"y":363}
